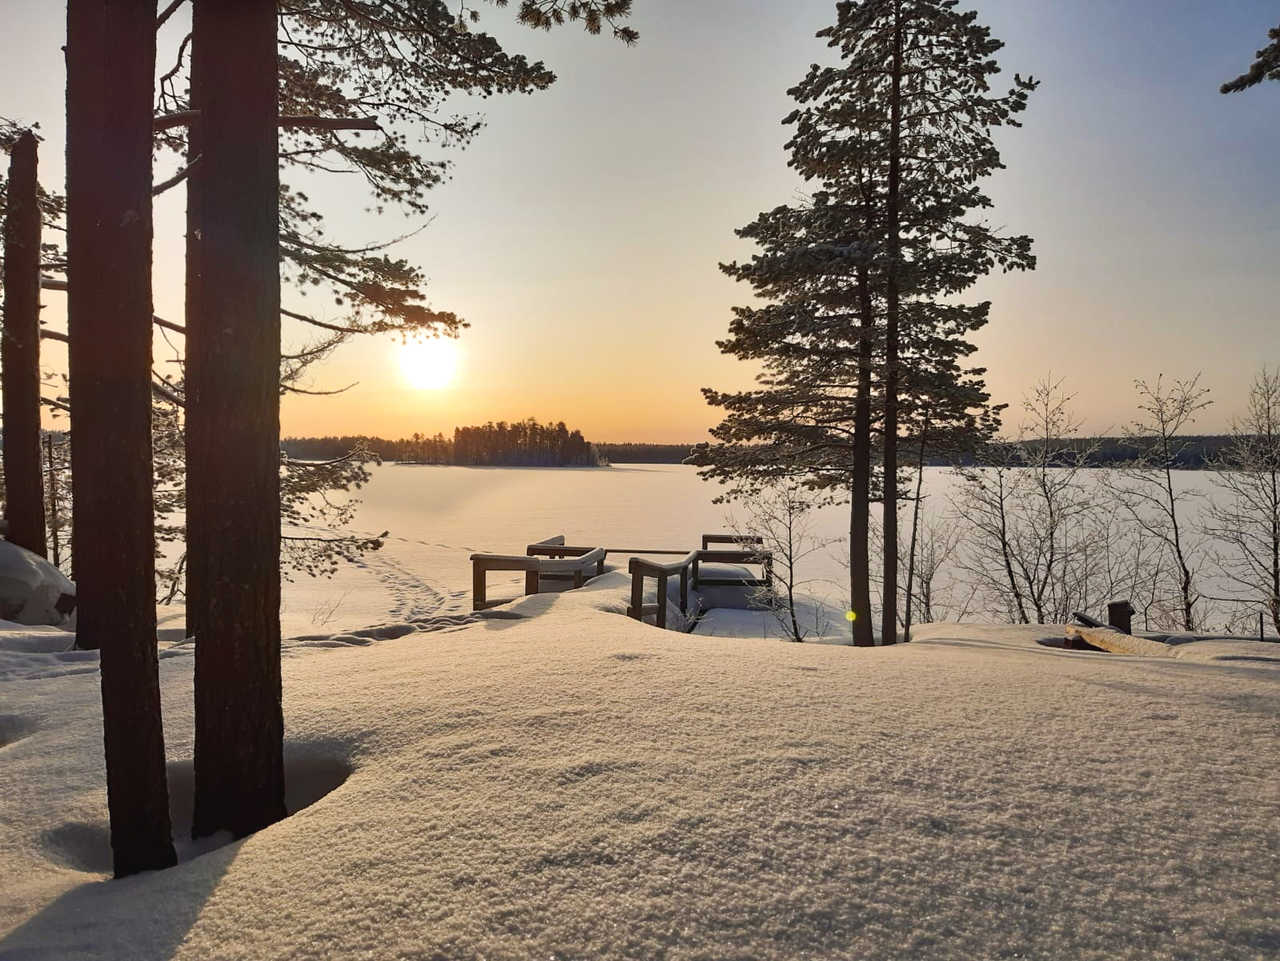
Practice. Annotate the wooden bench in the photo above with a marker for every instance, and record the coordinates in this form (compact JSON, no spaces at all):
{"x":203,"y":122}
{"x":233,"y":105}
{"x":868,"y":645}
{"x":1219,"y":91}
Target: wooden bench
{"x":561,"y":563}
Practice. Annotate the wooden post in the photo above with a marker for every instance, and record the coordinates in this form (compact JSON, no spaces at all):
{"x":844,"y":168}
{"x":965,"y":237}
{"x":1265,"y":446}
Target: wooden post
{"x":684,"y":590}
{"x":477,"y":586}
{"x":577,"y":578}
{"x":531,"y":583}
{"x":1120,"y":616}
{"x":20,"y":351}
{"x":662,"y":601}
{"x":695,"y":573}
{"x":637,"y":595}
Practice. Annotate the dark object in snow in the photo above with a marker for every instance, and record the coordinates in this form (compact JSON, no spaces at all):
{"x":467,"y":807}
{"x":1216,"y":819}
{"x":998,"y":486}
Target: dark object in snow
{"x":1075,"y":639}
{"x":1120,"y":616}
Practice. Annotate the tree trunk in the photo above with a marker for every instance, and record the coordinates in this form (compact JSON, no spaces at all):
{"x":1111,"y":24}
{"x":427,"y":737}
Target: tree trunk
{"x":55,"y":520}
{"x":233,"y":420}
{"x":20,"y":351}
{"x":110,"y":69}
{"x":889,"y":616}
{"x":860,"y":491}
{"x":915,"y":529}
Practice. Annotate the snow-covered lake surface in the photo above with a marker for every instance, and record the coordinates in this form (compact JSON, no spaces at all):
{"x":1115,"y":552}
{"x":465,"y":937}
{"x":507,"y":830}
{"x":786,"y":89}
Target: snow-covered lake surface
{"x":438,"y":516}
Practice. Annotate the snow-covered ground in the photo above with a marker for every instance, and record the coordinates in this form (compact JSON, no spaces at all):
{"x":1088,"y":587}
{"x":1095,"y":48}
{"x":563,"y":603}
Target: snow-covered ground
{"x":559,"y":781}
{"x":554,"y":780}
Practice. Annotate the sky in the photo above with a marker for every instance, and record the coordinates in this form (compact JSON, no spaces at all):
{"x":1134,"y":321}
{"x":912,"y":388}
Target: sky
{"x":581,"y":233}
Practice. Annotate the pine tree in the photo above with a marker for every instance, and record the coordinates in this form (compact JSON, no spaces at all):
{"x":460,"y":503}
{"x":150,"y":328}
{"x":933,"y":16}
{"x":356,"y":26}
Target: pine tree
{"x":400,"y":59}
{"x":861,"y":333}
{"x":1266,"y":66}
{"x":810,"y":419}
{"x":110,"y":78}
{"x":911,"y":105}
{"x":233,"y":421}
{"x":398,"y":66}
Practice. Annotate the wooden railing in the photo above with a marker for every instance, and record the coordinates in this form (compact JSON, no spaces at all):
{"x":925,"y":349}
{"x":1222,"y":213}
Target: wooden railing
{"x":550,"y":559}
{"x":688,"y":570}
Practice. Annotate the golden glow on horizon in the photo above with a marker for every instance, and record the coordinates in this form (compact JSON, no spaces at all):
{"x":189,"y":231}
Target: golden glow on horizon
{"x":429,"y":364}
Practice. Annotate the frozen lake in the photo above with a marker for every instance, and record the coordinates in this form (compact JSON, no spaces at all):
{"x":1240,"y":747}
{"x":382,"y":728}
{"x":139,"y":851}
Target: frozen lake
{"x":438,"y":516}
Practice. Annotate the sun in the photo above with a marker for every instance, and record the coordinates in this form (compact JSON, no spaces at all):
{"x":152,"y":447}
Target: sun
{"x":429,"y":364}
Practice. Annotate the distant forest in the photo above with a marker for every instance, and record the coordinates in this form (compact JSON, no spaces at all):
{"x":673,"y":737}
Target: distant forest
{"x":645,"y":453}
{"x":530,"y":444}
{"x":1192,"y":453}
{"x":524,"y":443}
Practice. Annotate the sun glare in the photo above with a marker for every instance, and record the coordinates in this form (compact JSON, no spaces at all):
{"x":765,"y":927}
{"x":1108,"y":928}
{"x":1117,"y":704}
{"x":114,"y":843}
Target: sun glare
{"x":429,"y":364}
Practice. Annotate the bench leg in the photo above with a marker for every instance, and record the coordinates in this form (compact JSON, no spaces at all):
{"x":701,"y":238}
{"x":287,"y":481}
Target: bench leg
{"x":662,"y":601}
{"x":637,"y":597}
{"x":477,"y":588}
{"x":531,"y":582}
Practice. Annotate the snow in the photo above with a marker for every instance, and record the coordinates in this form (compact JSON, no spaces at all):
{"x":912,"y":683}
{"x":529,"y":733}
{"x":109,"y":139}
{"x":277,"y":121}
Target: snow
{"x":551,"y":779}
{"x":31,"y":587}
{"x":554,"y":780}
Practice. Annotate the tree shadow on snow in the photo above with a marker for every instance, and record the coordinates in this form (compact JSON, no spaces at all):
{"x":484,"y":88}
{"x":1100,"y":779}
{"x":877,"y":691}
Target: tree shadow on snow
{"x":147,"y":916}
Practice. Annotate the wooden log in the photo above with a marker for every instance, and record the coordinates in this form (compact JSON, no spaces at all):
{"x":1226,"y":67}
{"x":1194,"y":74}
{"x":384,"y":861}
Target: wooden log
{"x":1112,"y":641}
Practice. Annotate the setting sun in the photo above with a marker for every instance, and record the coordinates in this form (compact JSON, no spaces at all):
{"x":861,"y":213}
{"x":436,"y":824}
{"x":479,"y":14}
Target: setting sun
{"x":429,"y":364}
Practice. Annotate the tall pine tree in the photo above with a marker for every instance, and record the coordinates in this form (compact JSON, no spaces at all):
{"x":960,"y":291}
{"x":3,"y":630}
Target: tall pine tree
{"x":862,"y":328}
{"x":911,"y":102}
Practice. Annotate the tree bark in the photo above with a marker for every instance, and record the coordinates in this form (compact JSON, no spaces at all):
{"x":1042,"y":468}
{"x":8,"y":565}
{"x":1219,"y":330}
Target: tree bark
{"x":233,"y":420}
{"x":889,"y":616}
{"x":110,"y":70}
{"x":915,"y":530}
{"x":860,"y":492}
{"x":20,"y":351}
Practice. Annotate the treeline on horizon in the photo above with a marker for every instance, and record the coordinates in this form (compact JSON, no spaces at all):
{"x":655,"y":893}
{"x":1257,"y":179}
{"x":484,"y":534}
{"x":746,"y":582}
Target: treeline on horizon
{"x":500,"y":445}
{"x":526,"y":443}
{"x":1198,"y":452}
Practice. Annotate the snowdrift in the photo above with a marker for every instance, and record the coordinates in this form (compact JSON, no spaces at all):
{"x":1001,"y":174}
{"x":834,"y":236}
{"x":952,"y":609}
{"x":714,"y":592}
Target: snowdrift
{"x":557,"y":781}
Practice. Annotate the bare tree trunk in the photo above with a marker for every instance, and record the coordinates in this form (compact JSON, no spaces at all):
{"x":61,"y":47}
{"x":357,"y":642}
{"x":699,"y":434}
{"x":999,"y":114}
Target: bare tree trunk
{"x":20,"y":351}
{"x":860,"y":492}
{"x":915,"y":528}
{"x":233,"y":420}
{"x":889,"y":615}
{"x":110,"y":69}
{"x":55,"y":520}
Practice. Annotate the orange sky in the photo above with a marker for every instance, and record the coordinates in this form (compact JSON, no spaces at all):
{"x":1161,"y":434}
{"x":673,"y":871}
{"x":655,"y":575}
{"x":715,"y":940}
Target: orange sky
{"x":580,"y":235}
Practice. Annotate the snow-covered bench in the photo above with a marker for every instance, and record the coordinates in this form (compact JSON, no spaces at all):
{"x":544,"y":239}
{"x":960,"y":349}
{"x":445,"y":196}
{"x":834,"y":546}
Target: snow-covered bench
{"x":551,"y":559}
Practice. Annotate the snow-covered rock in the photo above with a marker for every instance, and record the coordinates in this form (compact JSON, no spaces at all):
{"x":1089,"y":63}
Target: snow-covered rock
{"x":33,"y":591}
